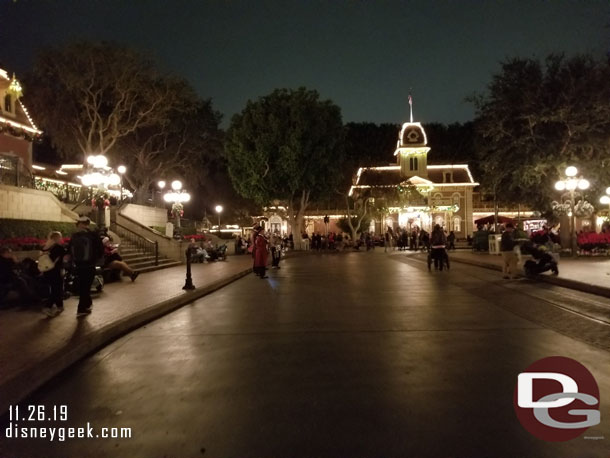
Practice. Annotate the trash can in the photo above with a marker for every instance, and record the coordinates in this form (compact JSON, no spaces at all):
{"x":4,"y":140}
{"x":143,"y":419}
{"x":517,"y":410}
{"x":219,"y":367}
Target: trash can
{"x":494,"y":244}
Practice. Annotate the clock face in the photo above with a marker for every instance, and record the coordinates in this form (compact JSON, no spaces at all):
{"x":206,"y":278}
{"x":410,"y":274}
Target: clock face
{"x":413,"y":136}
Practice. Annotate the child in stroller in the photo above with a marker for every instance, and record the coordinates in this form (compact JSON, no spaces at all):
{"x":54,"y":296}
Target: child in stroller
{"x":546,"y":261}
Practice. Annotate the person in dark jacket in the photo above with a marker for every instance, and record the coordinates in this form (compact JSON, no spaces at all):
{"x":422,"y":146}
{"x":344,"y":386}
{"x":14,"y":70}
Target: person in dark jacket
{"x":507,"y":249}
{"x":438,"y":241}
{"x":86,"y":251}
{"x":54,"y":276}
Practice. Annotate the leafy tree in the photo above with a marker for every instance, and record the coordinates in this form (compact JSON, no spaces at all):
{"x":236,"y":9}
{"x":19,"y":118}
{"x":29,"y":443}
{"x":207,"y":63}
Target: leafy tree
{"x":286,"y":146}
{"x":535,"y":119}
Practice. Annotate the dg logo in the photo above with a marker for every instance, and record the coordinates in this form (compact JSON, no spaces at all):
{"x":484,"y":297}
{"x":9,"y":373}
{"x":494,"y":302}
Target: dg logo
{"x":557,"y":399}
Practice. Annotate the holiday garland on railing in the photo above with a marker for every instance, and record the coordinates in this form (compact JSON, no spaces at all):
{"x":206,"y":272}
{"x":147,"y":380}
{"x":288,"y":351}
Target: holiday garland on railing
{"x":582,"y":209}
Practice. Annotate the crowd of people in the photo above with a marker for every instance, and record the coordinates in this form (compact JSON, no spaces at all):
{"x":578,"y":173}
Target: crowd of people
{"x":61,"y":269}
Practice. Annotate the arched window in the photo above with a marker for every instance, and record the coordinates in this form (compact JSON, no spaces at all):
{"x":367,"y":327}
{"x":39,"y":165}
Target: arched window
{"x":8,"y":103}
{"x":457,"y":224}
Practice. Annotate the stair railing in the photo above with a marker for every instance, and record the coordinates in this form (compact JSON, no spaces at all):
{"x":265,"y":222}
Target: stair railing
{"x":142,"y":243}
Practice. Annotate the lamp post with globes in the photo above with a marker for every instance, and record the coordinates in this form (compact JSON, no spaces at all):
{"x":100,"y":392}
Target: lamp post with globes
{"x":606,"y":200}
{"x":218,"y":209}
{"x":121,"y":169}
{"x":177,"y":197}
{"x":161,"y":186}
{"x":571,"y":183}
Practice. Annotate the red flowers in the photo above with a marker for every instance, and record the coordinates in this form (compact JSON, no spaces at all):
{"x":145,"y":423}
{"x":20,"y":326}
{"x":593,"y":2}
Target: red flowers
{"x":27,"y":243}
{"x":591,"y":240}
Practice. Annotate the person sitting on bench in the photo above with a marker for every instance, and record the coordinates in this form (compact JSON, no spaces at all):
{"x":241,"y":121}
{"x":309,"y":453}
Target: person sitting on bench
{"x":113,"y":260}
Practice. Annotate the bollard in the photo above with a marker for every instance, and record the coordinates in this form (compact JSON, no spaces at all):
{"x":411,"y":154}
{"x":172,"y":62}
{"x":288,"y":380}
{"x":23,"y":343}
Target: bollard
{"x":188,"y":284}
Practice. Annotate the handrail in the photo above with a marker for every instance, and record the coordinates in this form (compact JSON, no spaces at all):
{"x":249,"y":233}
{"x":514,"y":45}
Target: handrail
{"x":140,"y":241}
{"x":146,"y":228}
{"x":132,"y":232}
{"x":86,"y":199}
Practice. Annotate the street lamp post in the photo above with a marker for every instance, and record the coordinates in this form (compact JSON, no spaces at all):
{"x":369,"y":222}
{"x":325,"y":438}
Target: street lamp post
{"x":121,"y":169}
{"x":606,"y":200}
{"x":570,"y":184}
{"x":176,"y":196}
{"x":219,"y":211}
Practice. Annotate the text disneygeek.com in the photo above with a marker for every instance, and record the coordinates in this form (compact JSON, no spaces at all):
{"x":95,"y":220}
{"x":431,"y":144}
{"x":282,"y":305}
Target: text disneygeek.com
{"x":24,"y":423}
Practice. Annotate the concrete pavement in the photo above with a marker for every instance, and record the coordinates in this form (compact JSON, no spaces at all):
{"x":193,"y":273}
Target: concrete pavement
{"x":588,"y":274}
{"x":351,"y":355}
{"x":36,"y":348}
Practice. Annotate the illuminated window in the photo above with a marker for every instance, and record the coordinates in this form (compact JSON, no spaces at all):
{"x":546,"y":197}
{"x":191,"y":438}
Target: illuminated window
{"x":457,"y":224}
{"x":8,"y":103}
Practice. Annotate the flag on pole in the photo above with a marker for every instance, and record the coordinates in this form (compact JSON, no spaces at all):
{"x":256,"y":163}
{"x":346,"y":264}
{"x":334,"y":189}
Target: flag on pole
{"x":411,"y":107}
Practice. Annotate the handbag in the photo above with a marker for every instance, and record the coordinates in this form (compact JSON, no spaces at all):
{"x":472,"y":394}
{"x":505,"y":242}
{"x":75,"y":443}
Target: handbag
{"x":45,"y":263}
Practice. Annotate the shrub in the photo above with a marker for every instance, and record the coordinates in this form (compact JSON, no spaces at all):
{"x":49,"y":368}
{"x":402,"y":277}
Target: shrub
{"x":31,"y":235}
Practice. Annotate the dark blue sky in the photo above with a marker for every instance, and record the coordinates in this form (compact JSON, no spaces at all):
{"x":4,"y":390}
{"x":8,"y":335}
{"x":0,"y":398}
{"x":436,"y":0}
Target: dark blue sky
{"x":364,"y":55}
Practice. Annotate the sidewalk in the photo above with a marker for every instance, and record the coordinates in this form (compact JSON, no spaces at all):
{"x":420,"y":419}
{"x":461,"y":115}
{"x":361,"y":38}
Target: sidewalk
{"x":36,"y":348}
{"x":591,"y":275}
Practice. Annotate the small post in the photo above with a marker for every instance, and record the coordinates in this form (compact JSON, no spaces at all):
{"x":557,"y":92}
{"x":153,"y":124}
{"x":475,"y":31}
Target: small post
{"x":188,"y":284}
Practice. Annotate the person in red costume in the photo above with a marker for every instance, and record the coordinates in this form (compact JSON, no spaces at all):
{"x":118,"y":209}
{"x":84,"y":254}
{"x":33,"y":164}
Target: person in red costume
{"x":260,"y":251}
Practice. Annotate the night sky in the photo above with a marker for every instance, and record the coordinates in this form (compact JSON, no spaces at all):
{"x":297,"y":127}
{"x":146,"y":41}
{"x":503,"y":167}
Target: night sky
{"x":364,"y":55}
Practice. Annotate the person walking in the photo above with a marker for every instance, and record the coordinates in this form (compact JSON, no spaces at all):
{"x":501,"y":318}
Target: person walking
{"x":438,"y":241}
{"x":54,"y":275}
{"x":451,"y":240}
{"x":86,"y":250}
{"x":276,"y":250}
{"x":259,"y":251}
{"x":507,"y":249}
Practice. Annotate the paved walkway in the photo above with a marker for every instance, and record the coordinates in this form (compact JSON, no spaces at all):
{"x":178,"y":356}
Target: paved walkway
{"x":334,"y":356}
{"x":590,"y":275}
{"x":35,"y":348}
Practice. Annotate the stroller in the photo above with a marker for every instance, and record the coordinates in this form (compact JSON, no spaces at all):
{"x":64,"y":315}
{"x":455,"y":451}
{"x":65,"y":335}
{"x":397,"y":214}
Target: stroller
{"x":71,"y":280}
{"x":219,"y":253}
{"x":444,"y":259}
{"x":546,"y":261}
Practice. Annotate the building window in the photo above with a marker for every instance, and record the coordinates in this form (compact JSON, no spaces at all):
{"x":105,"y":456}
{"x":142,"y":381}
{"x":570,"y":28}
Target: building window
{"x":456,"y":198}
{"x":413,"y":163}
{"x":8,"y":103}
{"x":457,"y":224}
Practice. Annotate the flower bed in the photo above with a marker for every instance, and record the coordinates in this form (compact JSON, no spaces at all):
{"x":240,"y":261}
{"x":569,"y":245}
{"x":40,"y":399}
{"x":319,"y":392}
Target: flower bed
{"x":27,"y":243}
{"x":593,"y":244}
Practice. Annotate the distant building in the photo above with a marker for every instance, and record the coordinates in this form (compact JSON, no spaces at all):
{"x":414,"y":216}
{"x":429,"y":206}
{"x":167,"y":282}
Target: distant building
{"x":414,"y":193}
{"x":17,"y":131}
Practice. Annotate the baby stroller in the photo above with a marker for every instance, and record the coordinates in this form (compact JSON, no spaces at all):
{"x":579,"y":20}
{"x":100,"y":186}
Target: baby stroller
{"x":443,"y":261}
{"x":71,"y":280}
{"x":546,"y":261}
{"x":220,"y":253}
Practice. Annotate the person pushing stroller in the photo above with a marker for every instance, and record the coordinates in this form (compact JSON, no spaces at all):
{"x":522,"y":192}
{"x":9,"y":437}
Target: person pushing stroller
{"x":438,"y":254}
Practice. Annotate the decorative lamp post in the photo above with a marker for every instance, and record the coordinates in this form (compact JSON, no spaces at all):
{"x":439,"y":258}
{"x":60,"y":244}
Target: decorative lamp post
{"x":570,"y":184}
{"x":121,"y":169}
{"x":219,"y":211}
{"x":606,"y":200}
{"x":177,"y":197}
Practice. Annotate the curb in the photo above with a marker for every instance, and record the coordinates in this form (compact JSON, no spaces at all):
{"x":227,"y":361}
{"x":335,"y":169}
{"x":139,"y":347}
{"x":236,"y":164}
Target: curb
{"x":26,"y":382}
{"x":558,"y":281}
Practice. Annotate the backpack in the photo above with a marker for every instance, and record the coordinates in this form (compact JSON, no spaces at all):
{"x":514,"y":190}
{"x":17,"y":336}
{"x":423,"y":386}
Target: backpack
{"x":84,"y":249}
{"x":45,"y":263}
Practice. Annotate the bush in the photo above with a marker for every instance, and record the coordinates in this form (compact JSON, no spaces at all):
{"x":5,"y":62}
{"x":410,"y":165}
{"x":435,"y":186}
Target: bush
{"x":31,"y":235}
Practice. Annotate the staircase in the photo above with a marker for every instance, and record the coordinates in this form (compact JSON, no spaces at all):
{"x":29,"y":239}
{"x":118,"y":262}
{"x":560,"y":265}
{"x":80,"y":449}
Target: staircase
{"x":140,"y":253}
{"x":141,"y":260}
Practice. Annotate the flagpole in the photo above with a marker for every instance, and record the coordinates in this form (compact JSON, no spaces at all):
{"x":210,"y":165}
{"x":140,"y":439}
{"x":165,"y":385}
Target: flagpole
{"x":411,"y":107}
